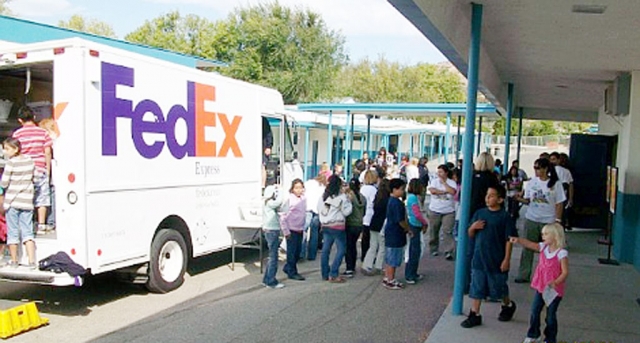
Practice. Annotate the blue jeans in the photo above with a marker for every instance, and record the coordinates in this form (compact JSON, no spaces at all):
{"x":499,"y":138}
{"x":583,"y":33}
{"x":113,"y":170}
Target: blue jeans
{"x":314,"y":232}
{"x":415,"y":249}
{"x":51,"y":216}
{"x":551,"y":330}
{"x":273,"y":242}
{"x":330,"y":236}
{"x":294,"y":244}
{"x":19,"y":225}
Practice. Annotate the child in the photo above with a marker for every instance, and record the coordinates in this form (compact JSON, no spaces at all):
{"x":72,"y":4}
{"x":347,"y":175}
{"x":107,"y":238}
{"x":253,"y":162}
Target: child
{"x":491,"y":229}
{"x":551,"y":273}
{"x":354,"y":225}
{"x":17,"y":181}
{"x":417,"y":224}
{"x":395,"y":233}
{"x":333,"y":209}
{"x":292,"y":223}
{"x":514,"y":188}
{"x":271,"y":227}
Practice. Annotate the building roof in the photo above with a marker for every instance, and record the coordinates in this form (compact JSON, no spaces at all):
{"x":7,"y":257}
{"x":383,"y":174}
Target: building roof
{"x":399,"y":109}
{"x":14,"y":30}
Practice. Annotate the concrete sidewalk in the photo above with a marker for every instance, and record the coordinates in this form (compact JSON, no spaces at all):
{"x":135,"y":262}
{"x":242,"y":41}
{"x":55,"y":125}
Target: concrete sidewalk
{"x":599,"y":305}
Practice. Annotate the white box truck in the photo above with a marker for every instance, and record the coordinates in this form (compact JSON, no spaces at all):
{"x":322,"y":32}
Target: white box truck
{"x":153,"y":163}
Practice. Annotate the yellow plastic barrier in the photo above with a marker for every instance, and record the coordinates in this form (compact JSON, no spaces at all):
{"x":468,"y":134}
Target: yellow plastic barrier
{"x":20,"y":319}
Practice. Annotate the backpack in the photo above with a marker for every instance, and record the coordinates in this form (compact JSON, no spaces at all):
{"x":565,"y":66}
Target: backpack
{"x":403,"y":173}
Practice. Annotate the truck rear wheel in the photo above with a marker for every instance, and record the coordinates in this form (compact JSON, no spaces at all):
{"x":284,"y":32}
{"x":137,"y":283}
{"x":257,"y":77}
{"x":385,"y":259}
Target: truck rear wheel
{"x":168,"y":261}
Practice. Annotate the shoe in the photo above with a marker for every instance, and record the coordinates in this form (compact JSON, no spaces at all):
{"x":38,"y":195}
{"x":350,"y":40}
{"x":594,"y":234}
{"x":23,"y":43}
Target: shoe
{"x":32,"y":266}
{"x":297,"y":277}
{"x":448,"y":256}
{"x":521,"y":280}
{"x":14,"y":264}
{"x":276,"y":286}
{"x":434,"y":254}
{"x":410,"y":281}
{"x":392,"y":285}
{"x":338,"y":279}
{"x":367,"y":271}
{"x":471,"y":321}
{"x":414,"y":280}
{"x":348,"y":274}
{"x":42,"y":229}
{"x":531,"y":340}
{"x":507,"y":312}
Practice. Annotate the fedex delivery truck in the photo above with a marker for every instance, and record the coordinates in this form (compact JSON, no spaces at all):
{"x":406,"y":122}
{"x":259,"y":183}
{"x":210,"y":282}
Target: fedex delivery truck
{"x":153,"y":162}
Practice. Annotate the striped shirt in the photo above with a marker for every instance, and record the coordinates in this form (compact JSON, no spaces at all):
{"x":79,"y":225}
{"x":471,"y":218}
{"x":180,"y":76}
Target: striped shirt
{"x":17,"y":181}
{"x":34,"y":140}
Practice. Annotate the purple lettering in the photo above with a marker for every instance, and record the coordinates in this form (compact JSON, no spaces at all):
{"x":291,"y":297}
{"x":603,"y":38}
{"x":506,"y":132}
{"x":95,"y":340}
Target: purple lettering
{"x":139,"y":126}
{"x":113,"y":107}
{"x":176,"y":112}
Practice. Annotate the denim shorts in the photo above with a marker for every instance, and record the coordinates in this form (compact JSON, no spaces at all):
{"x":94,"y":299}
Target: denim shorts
{"x":394,"y":256}
{"x":485,"y":284}
{"x":19,"y":225}
{"x":42,"y":196}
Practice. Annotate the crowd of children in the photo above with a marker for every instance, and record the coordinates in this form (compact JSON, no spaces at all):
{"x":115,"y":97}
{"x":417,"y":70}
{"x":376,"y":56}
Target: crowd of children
{"x":388,"y":213}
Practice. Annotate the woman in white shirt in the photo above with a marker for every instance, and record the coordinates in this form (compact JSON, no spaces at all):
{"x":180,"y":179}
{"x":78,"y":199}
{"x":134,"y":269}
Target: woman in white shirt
{"x":442,"y":212}
{"x":544,"y":195}
{"x":369,"y":190}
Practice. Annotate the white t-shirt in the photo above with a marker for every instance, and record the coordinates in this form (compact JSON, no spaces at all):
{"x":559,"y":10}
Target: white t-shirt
{"x":564,"y":174}
{"x":542,"y":208}
{"x":412,"y":172}
{"x":441,"y":203}
{"x":313,"y":191}
{"x":369,"y":192}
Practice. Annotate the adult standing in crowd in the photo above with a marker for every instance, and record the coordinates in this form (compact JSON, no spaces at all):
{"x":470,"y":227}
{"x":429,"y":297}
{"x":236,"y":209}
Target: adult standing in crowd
{"x":36,"y":144}
{"x":442,"y":212}
{"x":412,"y":170}
{"x":561,"y":164}
{"x":545,"y":196}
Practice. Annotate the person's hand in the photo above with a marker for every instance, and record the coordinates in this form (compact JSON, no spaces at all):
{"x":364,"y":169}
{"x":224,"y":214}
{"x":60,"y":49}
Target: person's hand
{"x":410,"y":233}
{"x":553,"y":284}
{"x":424,"y":228}
{"x":514,"y":240}
{"x":569,"y":204}
{"x":478,"y":225}
{"x":504,"y":266}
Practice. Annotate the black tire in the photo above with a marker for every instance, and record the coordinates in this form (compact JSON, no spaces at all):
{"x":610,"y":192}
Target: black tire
{"x":173,"y":241}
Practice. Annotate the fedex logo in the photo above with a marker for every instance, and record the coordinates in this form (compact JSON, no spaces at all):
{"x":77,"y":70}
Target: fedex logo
{"x":194,"y":115}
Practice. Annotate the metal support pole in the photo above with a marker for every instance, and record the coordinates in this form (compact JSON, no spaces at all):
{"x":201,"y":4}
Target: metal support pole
{"x":458,"y":141}
{"x":329,"y":139}
{"x":399,"y":148}
{"x":431,"y":147}
{"x":507,"y":138}
{"x":479,"y":135}
{"x":347,"y":146}
{"x":421,"y":145}
{"x":462,"y":266}
{"x":369,"y":132}
{"x":307,"y":138}
{"x":440,"y":148}
{"x":447,"y":143}
{"x":519,"y":133}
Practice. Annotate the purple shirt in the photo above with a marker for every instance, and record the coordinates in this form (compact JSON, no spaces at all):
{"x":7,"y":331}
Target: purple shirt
{"x":295,"y":214}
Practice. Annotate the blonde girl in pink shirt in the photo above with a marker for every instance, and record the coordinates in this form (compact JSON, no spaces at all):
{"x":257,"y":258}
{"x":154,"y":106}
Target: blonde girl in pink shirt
{"x":548,"y":280}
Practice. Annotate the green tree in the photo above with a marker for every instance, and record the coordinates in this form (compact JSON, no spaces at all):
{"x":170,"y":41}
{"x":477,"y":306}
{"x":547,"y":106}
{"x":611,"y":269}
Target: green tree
{"x":500,"y":126}
{"x":94,"y":26}
{"x":292,"y":50}
{"x":4,"y":9}
{"x":188,"y":34}
{"x":539,"y":128}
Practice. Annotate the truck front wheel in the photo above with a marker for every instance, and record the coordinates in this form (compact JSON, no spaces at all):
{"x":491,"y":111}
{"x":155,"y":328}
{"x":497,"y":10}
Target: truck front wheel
{"x":168,"y":261}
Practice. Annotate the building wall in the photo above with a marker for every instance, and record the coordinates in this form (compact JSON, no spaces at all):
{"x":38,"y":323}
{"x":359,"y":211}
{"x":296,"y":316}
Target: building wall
{"x":626,"y":222}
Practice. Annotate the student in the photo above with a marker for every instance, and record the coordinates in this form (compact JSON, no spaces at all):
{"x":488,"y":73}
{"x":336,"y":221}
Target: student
{"x":52,"y":129}
{"x":442,"y":215}
{"x":374,"y":259}
{"x":417,"y":224}
{"x":491,"y":229}
{"x":17,"y":181}
{"x":292,"y":225}
{"x":333,"y":208}
{"x":354,"y":225}
{"x":514,"y":188}
{"x":551,"y":272}
{"x":369,"y":191}
{"x":271,"y":227}
{"x":395,"y":234}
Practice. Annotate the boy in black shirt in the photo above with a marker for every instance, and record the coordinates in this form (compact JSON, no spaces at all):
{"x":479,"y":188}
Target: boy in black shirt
{"x":491,"y":228}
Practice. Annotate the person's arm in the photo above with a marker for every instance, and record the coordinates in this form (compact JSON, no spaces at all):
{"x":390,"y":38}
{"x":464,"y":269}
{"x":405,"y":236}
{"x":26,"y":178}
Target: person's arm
{"x":525,"y":243}
{"x":346,"y":207}
{"x":505,"y":265}
{"x":448,"y":188}
{"x":6,"y":175}
{"x":415,"y":209}
{"x":477,"y":225}
{"x":47,"y":160}
{"x":564,"y":265}
{"x":570,"y":195}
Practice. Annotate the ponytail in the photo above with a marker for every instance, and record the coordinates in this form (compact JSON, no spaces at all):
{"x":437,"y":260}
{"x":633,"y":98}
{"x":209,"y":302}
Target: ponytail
{"x":551,"y":171}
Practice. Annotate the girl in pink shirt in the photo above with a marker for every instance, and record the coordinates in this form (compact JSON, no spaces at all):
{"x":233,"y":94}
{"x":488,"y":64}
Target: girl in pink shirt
{"x":548,"y":280}
{"x":292,"y":224}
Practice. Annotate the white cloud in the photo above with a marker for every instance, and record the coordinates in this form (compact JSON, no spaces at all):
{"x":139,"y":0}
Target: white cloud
{"x":351,"y":17}
{"x":39,"y":8}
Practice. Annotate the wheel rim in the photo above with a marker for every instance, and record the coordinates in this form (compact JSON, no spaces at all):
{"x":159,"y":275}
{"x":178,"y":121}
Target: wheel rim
{"x":171,"y":260}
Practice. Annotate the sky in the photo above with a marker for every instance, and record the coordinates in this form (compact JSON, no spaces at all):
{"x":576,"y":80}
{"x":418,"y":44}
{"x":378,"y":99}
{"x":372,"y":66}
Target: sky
{"x":372,"y":28}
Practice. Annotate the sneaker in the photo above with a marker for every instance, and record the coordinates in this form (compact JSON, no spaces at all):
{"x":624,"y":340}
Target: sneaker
{"x":393,"y":284}
{"x":471,"y":321}
{"x":414,"y":280}
{"x":507,"y":312}
{"x":338,"y":279}
{"x":434,"y":254}
{"x":32,"y":266}
{"x":448,"y":256}
{"x":410,"y":281}
{"x":297,"y":277}
{"x":276,"y":286}
{"x":348,"y":273}
{"x":367,"y":271}
{"x":531,"y":340}
{"x":13,"y":264}
{"x":42,"y":229}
